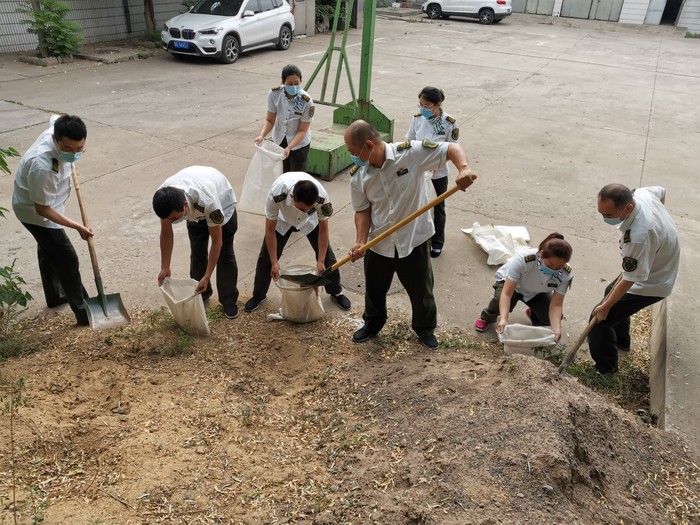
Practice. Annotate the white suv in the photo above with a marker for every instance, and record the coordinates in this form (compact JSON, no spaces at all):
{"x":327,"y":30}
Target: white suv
{"x":224,"y":28}
{"x":487,"y":11}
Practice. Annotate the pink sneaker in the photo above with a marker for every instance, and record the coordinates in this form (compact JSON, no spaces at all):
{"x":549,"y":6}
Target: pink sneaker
{"x":480,"y":325}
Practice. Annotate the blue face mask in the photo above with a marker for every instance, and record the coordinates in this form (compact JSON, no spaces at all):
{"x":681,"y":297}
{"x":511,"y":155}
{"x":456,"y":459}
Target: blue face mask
{"x":292,"y":90}
{"x":68,"y":157}
{"x":357,"y":160}
{"x":427,"y":113}
{"x":178,"y":220}
{"x":548,"y":271}
{"x":612,"y":222}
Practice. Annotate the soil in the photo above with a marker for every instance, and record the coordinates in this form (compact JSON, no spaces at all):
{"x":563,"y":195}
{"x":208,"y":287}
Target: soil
{"x":272,"y":422}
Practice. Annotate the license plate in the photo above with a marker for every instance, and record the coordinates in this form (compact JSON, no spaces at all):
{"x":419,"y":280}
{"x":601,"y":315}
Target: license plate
{"x":181,"y":45}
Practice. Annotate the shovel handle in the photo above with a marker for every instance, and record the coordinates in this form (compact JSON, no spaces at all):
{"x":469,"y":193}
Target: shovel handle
{"x":403,"y":222}
{"x":83,"y":215}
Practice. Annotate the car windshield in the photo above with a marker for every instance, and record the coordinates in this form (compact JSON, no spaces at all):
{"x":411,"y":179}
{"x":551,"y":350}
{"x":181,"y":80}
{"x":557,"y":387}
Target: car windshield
{"x":217,"y":7}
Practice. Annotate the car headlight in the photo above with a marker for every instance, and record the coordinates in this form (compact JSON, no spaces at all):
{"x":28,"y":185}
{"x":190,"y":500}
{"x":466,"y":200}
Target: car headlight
{"x":211,"y":31}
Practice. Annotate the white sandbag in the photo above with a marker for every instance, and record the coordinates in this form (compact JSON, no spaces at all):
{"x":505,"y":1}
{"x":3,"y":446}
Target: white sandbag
{"x":186,"y":307}
{"x":500,"y":242}
{"x":524,"y":339}
{"x":300,"y":303}
{"x":264,"y":168}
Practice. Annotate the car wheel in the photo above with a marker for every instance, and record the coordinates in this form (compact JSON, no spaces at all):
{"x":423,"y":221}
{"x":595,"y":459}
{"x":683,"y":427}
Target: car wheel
{"x":486,"y":16}
{"x":285,"y":38}
{"x":230,"y":49}
{"x":434,"y":11}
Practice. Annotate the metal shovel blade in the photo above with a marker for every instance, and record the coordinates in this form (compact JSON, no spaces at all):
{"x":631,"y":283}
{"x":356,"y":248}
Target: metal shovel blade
{"x":308,"y":279}
{"x":106,"y":311}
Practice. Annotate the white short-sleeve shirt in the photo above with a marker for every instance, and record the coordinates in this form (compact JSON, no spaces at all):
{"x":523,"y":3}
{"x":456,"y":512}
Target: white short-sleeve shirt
{"x":396,"y":190}
{"x":279,"y":205}
{"x":443,"y":128}
{"x":208,"y":193}
{"x":290,"y":114}
{"x":524,"y":269}
{"x":41,"y":178}
{"x":649,"y":245}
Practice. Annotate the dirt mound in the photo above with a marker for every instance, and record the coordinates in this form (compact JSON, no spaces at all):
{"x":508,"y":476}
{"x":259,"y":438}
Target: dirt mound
{"x":269,"y":422}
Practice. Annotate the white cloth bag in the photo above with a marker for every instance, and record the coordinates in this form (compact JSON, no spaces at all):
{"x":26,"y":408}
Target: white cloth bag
{"x":186,"y":307}
{"x":500,"y":242}
{"x":263,"y":170}
{"x":523,"y":339}
{"x":300,"y":303}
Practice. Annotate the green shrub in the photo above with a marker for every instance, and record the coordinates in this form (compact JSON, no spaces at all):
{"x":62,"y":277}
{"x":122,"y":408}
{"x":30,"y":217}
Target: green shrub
{"x":9,"y":152}
{"x":57,"y":36}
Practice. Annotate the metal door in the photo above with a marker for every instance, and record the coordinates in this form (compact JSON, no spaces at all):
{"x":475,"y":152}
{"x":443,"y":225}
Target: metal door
{"x":539,"y":7}
{"x":519,"y":6}
{"x":576,"y":8}
{"x":608,"y":10}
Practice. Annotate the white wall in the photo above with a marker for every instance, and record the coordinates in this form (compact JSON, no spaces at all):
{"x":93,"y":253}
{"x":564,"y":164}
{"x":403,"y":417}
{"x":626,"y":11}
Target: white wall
{"x":689,"y":17}
{"x":634,"y":11}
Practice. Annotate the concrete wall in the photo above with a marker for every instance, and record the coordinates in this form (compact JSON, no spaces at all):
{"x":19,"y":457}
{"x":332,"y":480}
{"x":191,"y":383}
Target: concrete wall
{"x":690,"y":16}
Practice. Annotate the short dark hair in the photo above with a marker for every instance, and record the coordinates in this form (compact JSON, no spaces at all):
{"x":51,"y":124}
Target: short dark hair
{"x":69,"y":126}
{"x":620,"y":194}
{"x":554,"y":245}
{"x":360,"y":131}
{"x":167,"y":200}
{"x":289,"y":70}
{"x":432,"y":94}
{"x":305,"y":191}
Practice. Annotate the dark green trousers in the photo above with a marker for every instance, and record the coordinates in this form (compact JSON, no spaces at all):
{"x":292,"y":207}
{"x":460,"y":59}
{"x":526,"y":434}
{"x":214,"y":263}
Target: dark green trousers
{"x":416,"y":275}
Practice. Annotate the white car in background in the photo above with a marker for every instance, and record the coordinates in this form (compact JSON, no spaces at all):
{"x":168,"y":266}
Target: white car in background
{"x":224,"y":28}
{"x":487,"y":11}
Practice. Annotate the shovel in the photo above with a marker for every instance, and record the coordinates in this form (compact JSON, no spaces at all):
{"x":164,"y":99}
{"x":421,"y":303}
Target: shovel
{"x":311,"y":279}
{"x":104,"y":311}
{"x":594,"y":320}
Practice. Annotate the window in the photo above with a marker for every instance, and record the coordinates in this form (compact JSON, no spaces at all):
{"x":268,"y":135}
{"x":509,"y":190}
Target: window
{"x":218,"y":7}
{"x":266,"y":5}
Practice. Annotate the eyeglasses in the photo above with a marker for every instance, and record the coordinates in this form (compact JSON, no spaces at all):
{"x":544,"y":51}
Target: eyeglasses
{"x":426,"y":106}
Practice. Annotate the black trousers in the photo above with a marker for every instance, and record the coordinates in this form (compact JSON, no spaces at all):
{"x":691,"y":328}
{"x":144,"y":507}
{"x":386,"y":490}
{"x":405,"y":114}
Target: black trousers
{"x":539,"y":306}
{"x":615,"y":330}
{"x":226,"y":267}
{"x":439,"y":215}
{"x":264,"y":265}
{"x":298,"y":160}
{"x":416,"y":275}
{"x":60,"y":270}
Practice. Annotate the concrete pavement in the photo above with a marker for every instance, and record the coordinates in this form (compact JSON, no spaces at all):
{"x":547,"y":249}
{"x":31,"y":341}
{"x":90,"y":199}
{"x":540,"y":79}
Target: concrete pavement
{"x":548,"y":112}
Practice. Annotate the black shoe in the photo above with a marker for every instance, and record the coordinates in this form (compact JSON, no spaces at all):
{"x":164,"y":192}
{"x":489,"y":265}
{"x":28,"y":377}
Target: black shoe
{"x":430,"y":341}
{"x":435,"y":252}
{"x":206,"y":296}
{"x":231,"y":311}
{"x":81,"y":318}
{"x":253,"y":303}
{"x":342,"y":301}
{"x":362,"y":335}
{"x":606,"y":371}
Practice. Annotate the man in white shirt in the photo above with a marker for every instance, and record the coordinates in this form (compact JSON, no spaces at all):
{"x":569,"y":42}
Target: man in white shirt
{"x":202,"y":196}
{"x":296,"y":202}
{"x":650,"y":257}
{"x":41,"y":189}
{"x":387,"y":187}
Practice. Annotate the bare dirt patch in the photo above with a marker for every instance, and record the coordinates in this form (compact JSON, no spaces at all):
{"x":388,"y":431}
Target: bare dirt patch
{"x":270,"y":422}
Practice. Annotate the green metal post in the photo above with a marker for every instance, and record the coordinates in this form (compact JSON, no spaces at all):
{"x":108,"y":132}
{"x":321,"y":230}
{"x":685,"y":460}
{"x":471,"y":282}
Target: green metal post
{"x":368,"y":22}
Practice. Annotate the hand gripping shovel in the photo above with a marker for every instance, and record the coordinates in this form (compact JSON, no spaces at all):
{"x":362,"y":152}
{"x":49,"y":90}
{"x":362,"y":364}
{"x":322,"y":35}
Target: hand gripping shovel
{"x":104,"y":311}
{"x":311,"y":279}
{"x":571,"y":354}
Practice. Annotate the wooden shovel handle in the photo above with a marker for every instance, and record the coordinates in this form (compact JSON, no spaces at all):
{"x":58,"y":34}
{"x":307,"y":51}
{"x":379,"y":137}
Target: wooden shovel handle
{"x":403,"y":222}
{"x":83,"y":215}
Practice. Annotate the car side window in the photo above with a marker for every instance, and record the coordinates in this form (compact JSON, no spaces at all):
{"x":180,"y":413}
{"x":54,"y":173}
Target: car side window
{"x":266,"y":5}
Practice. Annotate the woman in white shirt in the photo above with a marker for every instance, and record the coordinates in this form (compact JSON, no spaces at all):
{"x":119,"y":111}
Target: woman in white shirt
{"x":540,"y":278}
{"x":432,"y":123}
{"x":290,"y":111}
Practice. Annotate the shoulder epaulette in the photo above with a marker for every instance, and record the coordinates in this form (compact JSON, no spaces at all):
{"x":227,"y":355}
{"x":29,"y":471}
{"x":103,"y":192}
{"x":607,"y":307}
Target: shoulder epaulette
{"x":451,"y":120}
{"x":279,"y":198}
{"x":320,"y":200}
{"x":306,"y":97}
{"x":429,"y":144}
{"x":403,"y":146}
{"x":627,"y":237}
{"x":354,"y":169}
{"x":54,"y":165}
{"x":276,"y":88}
{"x":530,"y":258}
{"x":418,"y":115}
{"x":567,"y":268}
{"x":197,"y":207}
